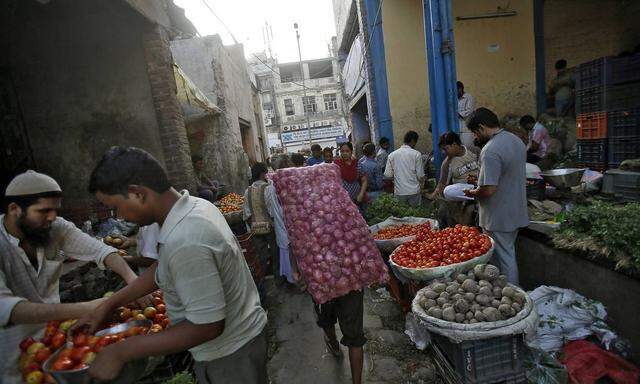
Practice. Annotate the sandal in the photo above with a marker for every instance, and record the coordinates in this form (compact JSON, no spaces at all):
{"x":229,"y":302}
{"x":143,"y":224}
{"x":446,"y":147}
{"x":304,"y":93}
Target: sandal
{"x":332,"y":349}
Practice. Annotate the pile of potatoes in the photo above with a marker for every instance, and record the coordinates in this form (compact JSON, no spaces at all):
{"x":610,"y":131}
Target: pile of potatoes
{"x":480,"y":295}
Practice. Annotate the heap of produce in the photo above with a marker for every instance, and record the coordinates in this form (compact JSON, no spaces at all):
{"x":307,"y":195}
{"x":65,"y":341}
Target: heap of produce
{"x":387,"y":206}
{"x":114,"y":241}
{"x":481,"y":295}
{"x":404,"y":230}
{"x":330,"y":239}
{"x":35,"y":352}
{"x":441,"y":248}
{"x":612,"y":231}
{"x":230,"y":203}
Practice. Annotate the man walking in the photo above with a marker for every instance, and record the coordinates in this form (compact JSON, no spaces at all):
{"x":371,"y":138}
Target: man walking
{"x":405,"y":166}
{"x":466,"y":106}
{"x":501,"y":190}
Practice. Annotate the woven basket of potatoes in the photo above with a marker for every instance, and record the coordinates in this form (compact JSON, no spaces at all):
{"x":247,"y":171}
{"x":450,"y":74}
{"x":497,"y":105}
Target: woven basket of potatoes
{"x":480,"y":299}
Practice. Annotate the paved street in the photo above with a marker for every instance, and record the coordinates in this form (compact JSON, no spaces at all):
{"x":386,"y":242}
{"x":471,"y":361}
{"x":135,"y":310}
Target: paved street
{"x":298,"y":352}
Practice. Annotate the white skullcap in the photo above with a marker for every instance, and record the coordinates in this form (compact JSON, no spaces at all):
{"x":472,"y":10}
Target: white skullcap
{"x":31,"y":183}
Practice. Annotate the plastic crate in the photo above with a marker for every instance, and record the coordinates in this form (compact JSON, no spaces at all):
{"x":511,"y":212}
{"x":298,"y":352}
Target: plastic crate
{"x":622,"y":96}
{"x":623,"y":148}
{"x":594,"y":73}
{"x":495,"y":360}
{"x":624,"y":185}
{"x":625,"y":69}
{"x":624,"y":123}
{"x":592,"y":151}
{"x":591,"y":125}
{"x":590,"y":100}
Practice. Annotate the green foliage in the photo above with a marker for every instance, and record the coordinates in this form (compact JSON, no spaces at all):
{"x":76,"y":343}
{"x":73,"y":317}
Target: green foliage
{"x":181,"y":378}
{"x":387,"y":205}
{"x":614,"y":227}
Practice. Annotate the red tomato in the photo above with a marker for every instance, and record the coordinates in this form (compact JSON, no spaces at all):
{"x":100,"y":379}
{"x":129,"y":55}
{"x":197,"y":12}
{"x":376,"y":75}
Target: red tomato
{"x":81,"y":340}
{"x":63,"y":364}
{"x":78,"y":353}
{"x":26,"y":343}
{"x":58,"y":340}
{"x":43,"y":355}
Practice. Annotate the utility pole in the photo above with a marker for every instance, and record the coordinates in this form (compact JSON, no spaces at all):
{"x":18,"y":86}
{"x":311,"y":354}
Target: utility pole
{"x":304,"y":88}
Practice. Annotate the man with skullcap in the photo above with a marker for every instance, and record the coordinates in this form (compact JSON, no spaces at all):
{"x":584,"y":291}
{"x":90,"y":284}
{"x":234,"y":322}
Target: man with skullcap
{"x":34,"y":242}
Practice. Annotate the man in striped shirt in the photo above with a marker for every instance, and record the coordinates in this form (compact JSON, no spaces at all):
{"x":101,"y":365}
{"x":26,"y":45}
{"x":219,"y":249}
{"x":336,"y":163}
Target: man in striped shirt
{"x":34,"y":242}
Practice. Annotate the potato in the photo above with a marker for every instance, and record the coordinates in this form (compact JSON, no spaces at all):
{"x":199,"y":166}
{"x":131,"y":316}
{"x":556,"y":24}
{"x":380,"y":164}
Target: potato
{"x":506,"y":300}
{"x":490,"y":272}
{"x":506,"y":310}
{"x":461,"y":291}
{"x":495,"y":303}
{"x":447,"y":305}
{"x":470,"y":297}
{"x":485,"y":283}
{"x":446,"y":280}
{"x":516,"y":307}
{"x":520,"y":298}
{"x":441,"y":301}
{"x":473,"y":321}
{"x":429,"y":303}
{"x":459,"y":318}
{"x":485,"y":291}
{"x":449,"y":314}
{"x":466,"y":321}
{"x":471,"y":275}
{"x":444,"y":295}
{"x":470,"y":286}
{"x":468,"y":315}
{"x":461,"y":306}
{"x":475,"y":307}
{"x":508,"y":291}
{"x":435,"y":312}
{"x":497,"y":292}
{"x":491,"y":314}
{"x":431,"y":294}
{"x":452,"y":288}
{"x":478,"y":270}
{"x":482,"y":299}
{"x":438,"y":287}
{"x":479,"y":316}
{"x":461,"y":278}
{"x":457,"y":297}
{"x":500,"y":281}
{"x":422,"y":300}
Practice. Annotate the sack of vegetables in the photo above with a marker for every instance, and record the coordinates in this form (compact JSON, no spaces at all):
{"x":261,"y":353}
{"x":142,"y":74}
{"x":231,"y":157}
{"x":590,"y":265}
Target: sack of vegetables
{"x":329,"y":238}
{"x":394,"y":231}
{"x":475,"y":305}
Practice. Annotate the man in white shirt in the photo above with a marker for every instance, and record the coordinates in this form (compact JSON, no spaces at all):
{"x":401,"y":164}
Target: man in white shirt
{"x":404,"y":165}
{"x":466,"y":106}
{"x":539,"y":139}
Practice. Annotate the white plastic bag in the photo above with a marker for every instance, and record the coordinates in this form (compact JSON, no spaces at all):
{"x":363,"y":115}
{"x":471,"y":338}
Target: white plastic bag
{"x":455,"y":192}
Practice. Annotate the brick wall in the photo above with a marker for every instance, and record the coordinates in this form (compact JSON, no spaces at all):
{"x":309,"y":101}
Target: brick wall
{"x":583,"y":30}
{"x":171,"y":126}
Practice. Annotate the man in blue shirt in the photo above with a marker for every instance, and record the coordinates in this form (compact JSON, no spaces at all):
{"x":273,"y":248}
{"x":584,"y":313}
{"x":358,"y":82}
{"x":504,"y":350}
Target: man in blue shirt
{"x":371,"y":168}
{"x":316,"y":155}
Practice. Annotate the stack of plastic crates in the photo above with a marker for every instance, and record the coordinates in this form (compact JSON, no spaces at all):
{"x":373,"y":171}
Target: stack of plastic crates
{"x":608,"y":107}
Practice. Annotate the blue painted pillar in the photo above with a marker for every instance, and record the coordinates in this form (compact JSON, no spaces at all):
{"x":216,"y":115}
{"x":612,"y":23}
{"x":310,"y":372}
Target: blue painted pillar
{"x":373,"y":9}
{"x":441,"y":63}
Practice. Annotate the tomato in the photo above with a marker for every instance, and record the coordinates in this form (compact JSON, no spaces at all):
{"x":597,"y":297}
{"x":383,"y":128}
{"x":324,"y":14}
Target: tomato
{"x":92,"y":341}
{"x":161,"y":308}
{"x":63,"y":364}
{"x":77,"y":354}
{"x":35,"y":377}
{"x":65,"y":353}
{"x":26,"y":343}
{"x":157,"y":301}
{"x":42,"y":355}
{"x":58,"y":340}
{"x":404,"y":230}
{"x":81,"y":340}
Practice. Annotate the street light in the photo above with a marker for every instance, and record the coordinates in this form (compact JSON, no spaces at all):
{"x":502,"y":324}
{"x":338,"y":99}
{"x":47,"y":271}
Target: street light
{"x":304,"y":88}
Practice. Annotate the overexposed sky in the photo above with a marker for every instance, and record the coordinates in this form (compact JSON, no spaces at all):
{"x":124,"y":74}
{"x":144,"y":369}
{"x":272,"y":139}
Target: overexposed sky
{"x":246,"y":20}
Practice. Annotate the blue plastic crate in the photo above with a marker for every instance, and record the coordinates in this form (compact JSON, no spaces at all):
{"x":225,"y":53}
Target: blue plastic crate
{"x":623,"y":148}
{"x":624,"y":123}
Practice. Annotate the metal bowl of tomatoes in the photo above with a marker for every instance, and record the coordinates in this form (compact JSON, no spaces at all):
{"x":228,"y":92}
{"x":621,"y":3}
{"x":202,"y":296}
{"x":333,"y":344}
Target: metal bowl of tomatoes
{"x":71,"y":365}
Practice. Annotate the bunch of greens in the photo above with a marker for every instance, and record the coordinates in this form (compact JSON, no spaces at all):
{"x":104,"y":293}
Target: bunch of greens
{"x":614,"y":228}
{"x":387,"y":205}
{"x":181,"y":378}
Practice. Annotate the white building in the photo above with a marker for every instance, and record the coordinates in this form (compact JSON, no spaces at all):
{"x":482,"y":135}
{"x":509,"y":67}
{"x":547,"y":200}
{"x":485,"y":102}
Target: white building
{"x":286,"y":110}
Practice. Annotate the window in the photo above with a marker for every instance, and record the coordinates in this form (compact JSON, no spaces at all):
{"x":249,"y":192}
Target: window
{"x":330,"y":102}
{"x":288,"y":107}
{"x":310,"y":105}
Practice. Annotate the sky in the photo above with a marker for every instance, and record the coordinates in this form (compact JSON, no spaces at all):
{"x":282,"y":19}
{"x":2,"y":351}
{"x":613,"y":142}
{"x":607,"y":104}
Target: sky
{"x":246,"y":20}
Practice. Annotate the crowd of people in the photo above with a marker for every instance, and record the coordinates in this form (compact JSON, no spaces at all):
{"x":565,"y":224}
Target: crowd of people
{"x":194,"y":257}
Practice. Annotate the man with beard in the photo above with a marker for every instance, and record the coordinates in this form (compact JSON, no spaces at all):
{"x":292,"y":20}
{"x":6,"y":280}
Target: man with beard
{"x":501,"y":191}
{"x":34,"y":242}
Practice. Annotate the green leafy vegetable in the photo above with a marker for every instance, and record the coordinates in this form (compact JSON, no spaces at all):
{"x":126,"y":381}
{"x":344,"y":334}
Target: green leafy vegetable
{"x":387,"y":205}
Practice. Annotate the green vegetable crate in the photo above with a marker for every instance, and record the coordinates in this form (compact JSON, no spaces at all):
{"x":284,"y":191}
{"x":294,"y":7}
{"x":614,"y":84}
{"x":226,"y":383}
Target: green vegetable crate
{"x":488,"y":361}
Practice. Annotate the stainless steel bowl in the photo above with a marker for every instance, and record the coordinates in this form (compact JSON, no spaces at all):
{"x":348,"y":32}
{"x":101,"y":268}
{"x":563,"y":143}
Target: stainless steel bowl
{"x":131,"y":371}
{"x":563,"y":178}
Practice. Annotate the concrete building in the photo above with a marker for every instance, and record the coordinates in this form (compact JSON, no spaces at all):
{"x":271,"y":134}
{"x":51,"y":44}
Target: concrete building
{"x":504,"y":55}
{"x":232,"y":138}
{"x":287,"y":112}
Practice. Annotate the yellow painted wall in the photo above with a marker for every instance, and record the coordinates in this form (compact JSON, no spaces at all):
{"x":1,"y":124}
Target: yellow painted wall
{"x":495,"y":58}
{"x":405,"y":56}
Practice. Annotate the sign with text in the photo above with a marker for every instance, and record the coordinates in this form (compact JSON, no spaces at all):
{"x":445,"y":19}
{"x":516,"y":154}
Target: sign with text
{"x":316,"y":133}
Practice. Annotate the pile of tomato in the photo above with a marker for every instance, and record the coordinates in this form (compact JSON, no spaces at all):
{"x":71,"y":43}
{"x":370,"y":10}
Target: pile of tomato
{"x":404,"y":230}
{"x":85,"y":347}
{"x":230,"y":203}
{"x":441,"y":248}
